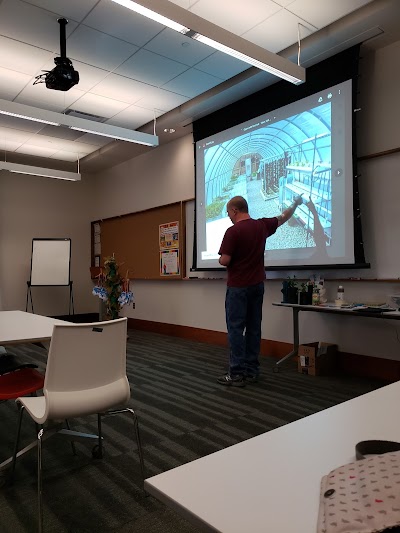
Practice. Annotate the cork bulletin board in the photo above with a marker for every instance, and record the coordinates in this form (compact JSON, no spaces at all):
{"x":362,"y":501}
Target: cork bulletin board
{"x":134,"y":239}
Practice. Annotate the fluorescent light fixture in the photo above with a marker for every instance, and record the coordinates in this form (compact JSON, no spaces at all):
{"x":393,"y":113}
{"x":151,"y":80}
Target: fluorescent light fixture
{"x":142,"y":10}
{"x":76,"y":123}
{"x":39,"y":171}
{"x":115,"y":135}
{"x":2,"y":112}
{"x":202,"y":30}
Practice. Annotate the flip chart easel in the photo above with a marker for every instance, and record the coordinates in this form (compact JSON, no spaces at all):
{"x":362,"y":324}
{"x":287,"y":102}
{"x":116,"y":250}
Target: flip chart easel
{"x":50,"y":267}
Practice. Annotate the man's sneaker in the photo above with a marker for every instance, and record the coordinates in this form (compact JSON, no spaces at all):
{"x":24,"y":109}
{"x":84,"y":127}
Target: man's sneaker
{"x":228,"y":380}
{"x":251,"y":379}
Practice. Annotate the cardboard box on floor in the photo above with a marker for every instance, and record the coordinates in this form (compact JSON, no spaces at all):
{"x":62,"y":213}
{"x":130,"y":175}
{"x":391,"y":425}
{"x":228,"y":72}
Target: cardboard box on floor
{"x":317,"y":358}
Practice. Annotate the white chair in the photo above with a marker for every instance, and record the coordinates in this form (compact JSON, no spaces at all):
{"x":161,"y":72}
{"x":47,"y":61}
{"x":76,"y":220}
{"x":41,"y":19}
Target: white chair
{"x":85,"y":374}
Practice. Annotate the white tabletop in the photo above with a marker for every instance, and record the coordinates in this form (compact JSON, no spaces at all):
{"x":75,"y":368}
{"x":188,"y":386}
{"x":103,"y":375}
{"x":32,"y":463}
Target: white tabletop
{"x":271,"y":483}
{"x":330,"y":308}
{"x":20,"y":327}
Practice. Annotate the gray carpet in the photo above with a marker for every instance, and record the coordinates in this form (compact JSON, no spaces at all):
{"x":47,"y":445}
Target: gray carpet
{"x":183,"y":414}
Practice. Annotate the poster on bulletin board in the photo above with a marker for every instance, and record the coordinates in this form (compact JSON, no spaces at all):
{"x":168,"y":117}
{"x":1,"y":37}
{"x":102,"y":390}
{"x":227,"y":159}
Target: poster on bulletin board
{"x":169,"y":262}
{"x":169,"y":235}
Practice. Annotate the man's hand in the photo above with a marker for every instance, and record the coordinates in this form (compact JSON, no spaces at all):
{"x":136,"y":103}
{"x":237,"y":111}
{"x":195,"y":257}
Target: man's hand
{"x":298,"y":200}
{"x":288,"y":213}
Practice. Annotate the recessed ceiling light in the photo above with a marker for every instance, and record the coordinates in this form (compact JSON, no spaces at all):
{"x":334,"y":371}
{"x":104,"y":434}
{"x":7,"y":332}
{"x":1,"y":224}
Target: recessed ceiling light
{"x":169,"y":130}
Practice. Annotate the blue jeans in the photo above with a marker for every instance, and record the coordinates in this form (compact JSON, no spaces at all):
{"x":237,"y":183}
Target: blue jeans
{"x":243,"y":308}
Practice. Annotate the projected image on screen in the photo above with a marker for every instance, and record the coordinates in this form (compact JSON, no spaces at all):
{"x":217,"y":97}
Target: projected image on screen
{"x":301,"y":149}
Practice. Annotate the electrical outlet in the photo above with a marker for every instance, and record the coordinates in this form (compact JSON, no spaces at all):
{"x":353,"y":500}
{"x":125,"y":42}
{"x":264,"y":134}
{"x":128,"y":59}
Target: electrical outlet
{"x":133,"y":305}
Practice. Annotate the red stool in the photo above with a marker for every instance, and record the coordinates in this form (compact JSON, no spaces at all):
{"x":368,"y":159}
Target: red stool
{"x":20,"y":383}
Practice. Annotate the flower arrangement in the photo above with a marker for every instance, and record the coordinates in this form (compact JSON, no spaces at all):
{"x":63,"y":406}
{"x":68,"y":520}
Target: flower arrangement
{"x":112,"y":288}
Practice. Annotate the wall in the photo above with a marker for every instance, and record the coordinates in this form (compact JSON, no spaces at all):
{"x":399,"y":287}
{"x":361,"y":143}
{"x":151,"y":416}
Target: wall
{"x":36,"y":207}
{"x":162,"y":176}
{"x":167,"y":176}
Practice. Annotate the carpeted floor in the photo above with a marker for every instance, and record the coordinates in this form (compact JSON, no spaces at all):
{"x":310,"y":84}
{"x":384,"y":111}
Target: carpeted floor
{"x":183,"y":414}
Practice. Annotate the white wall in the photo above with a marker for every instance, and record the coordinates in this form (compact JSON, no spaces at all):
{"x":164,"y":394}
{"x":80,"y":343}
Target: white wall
{"x":162,"y":176}
{"x":165,"y":175}
{"x":36,"y":207}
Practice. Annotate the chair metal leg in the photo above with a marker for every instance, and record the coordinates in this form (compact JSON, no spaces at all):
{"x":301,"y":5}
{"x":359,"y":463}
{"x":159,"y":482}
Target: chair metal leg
{"x":16,"y":444}
{"x":72,"y":442}
{"x":100,"y":451}
{"x":137,"y":434}
{"x":40,"y":501}
{"x":139,"y":443}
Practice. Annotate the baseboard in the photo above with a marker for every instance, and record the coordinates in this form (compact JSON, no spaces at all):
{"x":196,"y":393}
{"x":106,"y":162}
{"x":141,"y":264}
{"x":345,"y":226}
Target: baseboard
{"x":348,"y":363}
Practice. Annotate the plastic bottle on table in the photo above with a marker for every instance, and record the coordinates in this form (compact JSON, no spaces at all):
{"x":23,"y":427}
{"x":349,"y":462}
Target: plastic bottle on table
{"x":315,"y":296}
{"x":340,"y":293}
{"x":340,"y":296}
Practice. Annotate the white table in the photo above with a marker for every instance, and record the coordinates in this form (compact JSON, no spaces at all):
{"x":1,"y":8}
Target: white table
{"x":18,"y":327}
{"x":271,"y":483}
{"x":353,"y":312}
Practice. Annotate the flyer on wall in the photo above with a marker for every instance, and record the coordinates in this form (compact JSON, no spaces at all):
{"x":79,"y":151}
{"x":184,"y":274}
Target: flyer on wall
{"x":169,"y":235}
{"x":169,"y":262}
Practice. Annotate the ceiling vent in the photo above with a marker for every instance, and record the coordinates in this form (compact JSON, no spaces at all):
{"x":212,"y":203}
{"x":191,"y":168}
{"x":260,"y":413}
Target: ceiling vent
{"x":87,"y":116}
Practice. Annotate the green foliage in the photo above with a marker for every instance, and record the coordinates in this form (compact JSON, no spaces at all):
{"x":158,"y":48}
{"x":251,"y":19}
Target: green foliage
{"x":113,"y":282}
{"x":291,"y":282}
{"x":214,"y":210}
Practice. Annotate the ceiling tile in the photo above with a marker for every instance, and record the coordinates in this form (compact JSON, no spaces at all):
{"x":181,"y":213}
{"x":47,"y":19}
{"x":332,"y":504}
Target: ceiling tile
{"x":122,"y":23}
{"x":222,"y":65}
{"x":278,"y":32}
{"x":32,"y":25}
{"x":99,"y":105}
{"x":30,"y":149}
{"x":322,"y":17}
{"x":242,"y":18}
{"x":162,"y":100}
{"x":62,"y":144}
{"x":98,"y":49}
{"x":178,"y":47}
{"x":121,"y":88}
{"x":151,"y":68}
{"x":94,"y":140}
{"x":8,"y":134}
{"x":285,"y":3}
{"x":8,"y":146}
{"x":22,"y":57}
{"x":11,"y":83}
{"x":39,"y":96}
{"x":64,"y":155}
{"x":192,"y":82}
{"x":133,"y":117}
{"x":20,"y":124}
{"x":73,"y":9}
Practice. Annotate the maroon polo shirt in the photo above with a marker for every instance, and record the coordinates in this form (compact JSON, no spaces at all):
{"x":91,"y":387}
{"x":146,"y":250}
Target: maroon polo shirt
{"x":245,"y":243}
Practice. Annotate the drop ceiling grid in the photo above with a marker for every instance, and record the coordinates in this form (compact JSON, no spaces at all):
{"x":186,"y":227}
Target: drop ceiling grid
{"x":119,"y":53}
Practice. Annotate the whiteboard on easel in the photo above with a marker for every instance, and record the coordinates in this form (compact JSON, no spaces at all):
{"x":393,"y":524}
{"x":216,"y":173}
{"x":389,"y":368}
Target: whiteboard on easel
{"x":50,"y":262}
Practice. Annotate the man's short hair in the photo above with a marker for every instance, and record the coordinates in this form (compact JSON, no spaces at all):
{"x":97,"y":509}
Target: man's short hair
{"x":239,"y":203}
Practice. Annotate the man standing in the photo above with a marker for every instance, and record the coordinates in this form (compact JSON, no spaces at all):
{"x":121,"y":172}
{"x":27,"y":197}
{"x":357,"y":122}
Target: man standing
{"x":242,"y":252}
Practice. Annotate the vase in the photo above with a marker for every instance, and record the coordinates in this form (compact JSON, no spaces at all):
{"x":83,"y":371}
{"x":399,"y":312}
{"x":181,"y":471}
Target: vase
{"x":290,"y":293}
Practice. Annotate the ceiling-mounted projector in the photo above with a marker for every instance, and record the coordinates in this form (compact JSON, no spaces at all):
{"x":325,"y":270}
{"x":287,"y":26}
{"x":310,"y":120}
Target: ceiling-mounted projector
{"x":63,"y":76}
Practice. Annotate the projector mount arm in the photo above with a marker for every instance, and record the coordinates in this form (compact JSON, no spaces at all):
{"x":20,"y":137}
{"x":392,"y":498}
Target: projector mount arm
{"x":63,"y":76}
